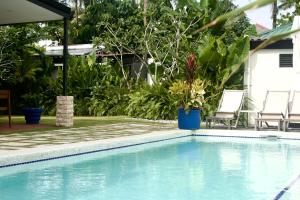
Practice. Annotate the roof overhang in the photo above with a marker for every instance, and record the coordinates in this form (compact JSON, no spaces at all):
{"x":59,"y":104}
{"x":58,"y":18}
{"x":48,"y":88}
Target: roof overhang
{"x":27,"y":11}
{"x":74,"y":50}
{"x":280,"y":44}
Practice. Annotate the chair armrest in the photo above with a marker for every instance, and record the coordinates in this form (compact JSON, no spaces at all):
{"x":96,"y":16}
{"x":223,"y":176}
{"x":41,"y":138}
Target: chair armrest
{"x":225,"y":112}
{"x":294,"y":114}
{"x":263,"y":113}
{"x":249,"y":111}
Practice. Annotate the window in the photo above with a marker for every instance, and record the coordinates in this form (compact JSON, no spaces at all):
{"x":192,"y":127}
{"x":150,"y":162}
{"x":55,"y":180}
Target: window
{"x":285,"y":60}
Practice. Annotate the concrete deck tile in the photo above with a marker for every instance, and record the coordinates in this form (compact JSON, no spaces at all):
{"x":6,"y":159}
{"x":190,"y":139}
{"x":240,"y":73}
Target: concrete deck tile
{"x":19,"y":141}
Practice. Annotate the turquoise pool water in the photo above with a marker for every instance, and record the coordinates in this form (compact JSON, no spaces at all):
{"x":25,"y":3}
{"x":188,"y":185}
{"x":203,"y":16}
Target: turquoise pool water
{"x":183,"y":169}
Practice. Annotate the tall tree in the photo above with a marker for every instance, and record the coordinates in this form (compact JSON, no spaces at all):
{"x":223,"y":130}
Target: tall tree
{"x":145,"y":12}
{"x":274,"y":14}
{"x":288,"y":9}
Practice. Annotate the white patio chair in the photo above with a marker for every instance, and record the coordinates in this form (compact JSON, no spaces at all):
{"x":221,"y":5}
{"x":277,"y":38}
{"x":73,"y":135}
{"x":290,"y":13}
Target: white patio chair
{"x":294,"y":111}
{"x":274,"y":109}
{"x":228,"y":109}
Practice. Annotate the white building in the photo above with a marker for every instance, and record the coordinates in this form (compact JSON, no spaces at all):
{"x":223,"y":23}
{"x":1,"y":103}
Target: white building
{"x":270,"y":68}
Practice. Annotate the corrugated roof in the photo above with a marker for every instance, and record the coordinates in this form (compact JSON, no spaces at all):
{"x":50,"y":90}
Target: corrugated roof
{"x":75,"y":50}
{"x":281,"y":29}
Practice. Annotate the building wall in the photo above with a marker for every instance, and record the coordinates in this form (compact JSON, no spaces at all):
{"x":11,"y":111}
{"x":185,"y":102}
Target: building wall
{"x":265,"y":74}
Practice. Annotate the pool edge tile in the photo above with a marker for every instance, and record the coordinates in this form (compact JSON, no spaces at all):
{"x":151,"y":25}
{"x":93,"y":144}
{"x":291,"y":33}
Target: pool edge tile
{"x":27,"y":156}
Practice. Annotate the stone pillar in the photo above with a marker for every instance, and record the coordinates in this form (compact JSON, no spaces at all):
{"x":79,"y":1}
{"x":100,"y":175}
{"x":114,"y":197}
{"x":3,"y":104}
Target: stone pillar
{"x":64,"y":111}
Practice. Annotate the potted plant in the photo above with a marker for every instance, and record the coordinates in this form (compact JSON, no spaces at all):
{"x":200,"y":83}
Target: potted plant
{"x":190,"y":96}
{"x":32,"y":110}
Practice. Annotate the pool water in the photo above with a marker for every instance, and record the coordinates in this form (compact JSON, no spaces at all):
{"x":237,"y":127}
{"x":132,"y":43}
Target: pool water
{"x":182,"y":169}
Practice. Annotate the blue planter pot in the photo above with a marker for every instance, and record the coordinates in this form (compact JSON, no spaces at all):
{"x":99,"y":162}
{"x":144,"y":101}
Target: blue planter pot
{"x":32,"y":115}
{"x":190,"y":120}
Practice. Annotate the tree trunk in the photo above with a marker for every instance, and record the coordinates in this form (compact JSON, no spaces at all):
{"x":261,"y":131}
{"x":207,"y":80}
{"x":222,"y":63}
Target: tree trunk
{"x":274,"y":13}
{"x":76,"y":11}
{"x":145,"y":56}
{"x":145,"y":11}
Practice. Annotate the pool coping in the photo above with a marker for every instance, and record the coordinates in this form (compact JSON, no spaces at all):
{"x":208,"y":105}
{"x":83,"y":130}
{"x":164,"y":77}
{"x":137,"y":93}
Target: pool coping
{"x":38,"y":154}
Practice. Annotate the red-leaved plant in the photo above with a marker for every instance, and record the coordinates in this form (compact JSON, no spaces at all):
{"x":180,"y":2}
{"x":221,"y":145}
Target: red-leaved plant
{"x":189,"y":92}
{"x":191,"y":67}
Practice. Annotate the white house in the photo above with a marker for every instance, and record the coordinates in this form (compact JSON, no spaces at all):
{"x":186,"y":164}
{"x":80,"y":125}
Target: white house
{"x":270,"y":68}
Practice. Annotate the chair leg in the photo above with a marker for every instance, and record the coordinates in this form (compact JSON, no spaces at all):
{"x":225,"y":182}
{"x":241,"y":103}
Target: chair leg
{"x":260,"y":124}
{"x":208,"y":123}
{"x":9,"y":116}
{"x":229,"y":124}
{"x":256,"y":125}
{"x":9,"y":120}
{"x":9,"y":111}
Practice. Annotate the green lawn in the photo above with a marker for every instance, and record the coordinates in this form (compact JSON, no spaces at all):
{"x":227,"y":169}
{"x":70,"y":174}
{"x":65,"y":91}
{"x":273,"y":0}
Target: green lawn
{"x":78,"y":122}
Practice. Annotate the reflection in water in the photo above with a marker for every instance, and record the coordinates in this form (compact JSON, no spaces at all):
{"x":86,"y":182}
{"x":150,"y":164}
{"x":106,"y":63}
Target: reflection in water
{"x":230,"y":159}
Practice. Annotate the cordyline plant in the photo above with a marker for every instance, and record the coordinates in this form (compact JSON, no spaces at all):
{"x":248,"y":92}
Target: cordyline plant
{"x":189,"y":92}
{"x":190,"y":67}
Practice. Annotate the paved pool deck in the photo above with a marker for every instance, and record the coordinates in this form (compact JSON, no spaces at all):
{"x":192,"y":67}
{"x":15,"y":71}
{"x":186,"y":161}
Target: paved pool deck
{"x":34,"y":139}
{"x":18,"y":148}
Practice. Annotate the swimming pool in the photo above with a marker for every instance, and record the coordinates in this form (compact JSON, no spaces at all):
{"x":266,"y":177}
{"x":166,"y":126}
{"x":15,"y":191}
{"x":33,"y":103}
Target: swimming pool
{"x":188,"y":168}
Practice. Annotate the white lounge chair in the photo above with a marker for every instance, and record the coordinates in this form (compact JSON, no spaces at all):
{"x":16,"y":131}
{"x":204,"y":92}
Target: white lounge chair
{"x":228,"y":109}
{"x":294,"y":111}
{"x":274,"y":109}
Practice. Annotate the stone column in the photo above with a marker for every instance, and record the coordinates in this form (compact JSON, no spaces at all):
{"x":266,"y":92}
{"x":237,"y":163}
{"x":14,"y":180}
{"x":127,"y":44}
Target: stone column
{"x":64,"y":111}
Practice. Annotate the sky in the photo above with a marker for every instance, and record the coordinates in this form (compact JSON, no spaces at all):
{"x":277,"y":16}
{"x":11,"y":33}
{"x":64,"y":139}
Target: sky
{"x":260,"y":16}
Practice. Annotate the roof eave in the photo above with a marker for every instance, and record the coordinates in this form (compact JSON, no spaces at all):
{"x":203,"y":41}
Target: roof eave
{"x":280,"y":44}
{"x":55,"y":7}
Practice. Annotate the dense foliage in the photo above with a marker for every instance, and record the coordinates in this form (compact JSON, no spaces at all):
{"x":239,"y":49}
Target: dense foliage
{"x":24,"y":68}
{"x":171,"y":32}
{"x":152,"y":103}
{"x":287,"y":10}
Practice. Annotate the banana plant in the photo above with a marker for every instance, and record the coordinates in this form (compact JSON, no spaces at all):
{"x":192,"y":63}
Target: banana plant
{"x":236,"y":54}
{"x":220,"y":65}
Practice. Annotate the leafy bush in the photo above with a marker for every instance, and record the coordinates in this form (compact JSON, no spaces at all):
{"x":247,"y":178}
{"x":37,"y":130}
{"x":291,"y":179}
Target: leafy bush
{"x":31,"y":100}
{"x":152,"y":102}
{"x":81,"y":106}
{"x":94,"y":86}
{"x":108,"y":101}
{"x":82,"y":75}
{"x":48,"y":96}
{"x":188,"y":96}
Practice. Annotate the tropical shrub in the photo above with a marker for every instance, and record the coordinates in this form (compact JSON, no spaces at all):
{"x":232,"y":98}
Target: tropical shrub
{"x":83,"y":75}
{"x":190,"y":92}
{"x":108,"y":101}
{"x":48,"y":96}
{"x":152,"y":102}
{"x":188,"y":95}
{"x":32,"y":75}
{"x":221,"y":66}
{"x":98,"y":89}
